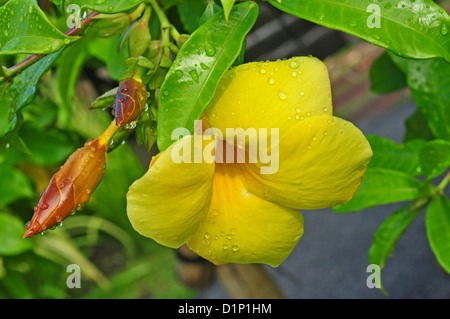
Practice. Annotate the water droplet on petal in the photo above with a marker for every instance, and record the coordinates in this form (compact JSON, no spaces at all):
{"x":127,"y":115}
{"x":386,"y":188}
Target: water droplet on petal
{"x":294,"y":64}
{"x":282,"y":95}
{"x":271,"y":81}
{"x":235,"y":248}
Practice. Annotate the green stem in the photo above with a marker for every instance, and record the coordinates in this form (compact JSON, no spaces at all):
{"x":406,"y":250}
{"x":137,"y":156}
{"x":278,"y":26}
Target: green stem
{"x":165,"y":23}
{"x":444,"y":182}
{"x":19,"y":67}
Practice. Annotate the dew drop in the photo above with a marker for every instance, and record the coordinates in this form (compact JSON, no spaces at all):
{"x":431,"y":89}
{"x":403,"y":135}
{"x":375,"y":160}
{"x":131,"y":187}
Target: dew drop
{"x":444,"y":29}
{"x":179,"y":73}
{"x":325,"y":109}
{"x":271,"y":81}
{"x":225,"y":246}
{"x":28,"y":224}
{"x":294,"y":65}
{"x":194,"y":75}
{"x":302,"y":93}
{"x":294,"y":74}
{"x":44,"y":206}
{"x":235,"y":248}
{"x":297,"y":117}
{"x":282,"y":95}
{"x":262,"y":71}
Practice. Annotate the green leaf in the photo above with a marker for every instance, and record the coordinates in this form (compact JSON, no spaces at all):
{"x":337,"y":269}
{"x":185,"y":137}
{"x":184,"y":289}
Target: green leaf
{"x":435,"y":158}
{"x":211,"y":9}
{"x":398,"y":157}
{"x":68,"y":71}
{"x":105,"y":6}
{"x":382,"y":186}
{"x":389,"y":233}
{"x":11,"y":232}
{"x":47,"y":147}
{"x":415,"y":29}
{"x":192,"y":80}
{"x":417,"y":128}
{"x":437,"y":222}
{"x":385,"y":76}
{"x":227,"y":6}
{"x":14,"y":185}
{"x":24,"y":88}
{"x":429,"y":82}
{"x":190,"y":13}
{"x":26,"y":29}
{"x":106,"y":50}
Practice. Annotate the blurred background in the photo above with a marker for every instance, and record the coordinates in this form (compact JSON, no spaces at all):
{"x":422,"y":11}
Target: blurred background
{"x":330,"y":260}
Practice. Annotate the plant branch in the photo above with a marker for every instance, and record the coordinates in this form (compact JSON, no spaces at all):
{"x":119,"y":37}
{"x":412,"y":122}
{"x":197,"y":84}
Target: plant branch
{"x":19,"y":67}
{"x":444,"y":182}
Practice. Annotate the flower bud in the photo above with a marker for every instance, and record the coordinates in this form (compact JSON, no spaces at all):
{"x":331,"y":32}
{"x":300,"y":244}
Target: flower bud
{"x":70,"y":188}
{"x":139,"y":38}
{"x":130,"y":101}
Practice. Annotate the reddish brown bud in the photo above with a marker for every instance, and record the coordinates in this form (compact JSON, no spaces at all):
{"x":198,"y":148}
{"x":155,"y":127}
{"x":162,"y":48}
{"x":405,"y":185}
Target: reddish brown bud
{"x":130,"y":101}
{"x":70,"y":188}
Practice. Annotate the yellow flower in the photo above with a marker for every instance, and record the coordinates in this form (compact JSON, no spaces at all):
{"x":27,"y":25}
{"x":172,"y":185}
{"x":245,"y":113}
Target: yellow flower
{"x":232,"y":212}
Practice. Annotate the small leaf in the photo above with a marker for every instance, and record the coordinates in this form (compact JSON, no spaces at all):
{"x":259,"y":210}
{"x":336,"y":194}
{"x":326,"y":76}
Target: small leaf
{"x":398,"y":157}
{"x":382,"y":186}
{"x":104,"y":100}
{"x":11,"y":232}
{"x":435,"y":158}
{"x":429,"y":82}
{"x":105,"y":6}
{"x":192,"y":80}
{"x":227,"y":6}
{"x":389,"y":233}
{"x":385,"y":76}
{"x":26,"y":29}
{"x":437,"y":222}
{"x":415,"y":29}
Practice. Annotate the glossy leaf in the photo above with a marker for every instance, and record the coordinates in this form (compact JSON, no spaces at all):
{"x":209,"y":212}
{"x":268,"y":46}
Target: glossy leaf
{"x":192,"y":80}
{"x":435,"y":158}
{"x":415,"y":29}
{"x":24,"y":88}
{"x":398,"y":157}
{"x":437,"y":222}
{"x":429,"y":82}
{"x":105,"y":6}
{"x":385,"y":76}
{"x":227,"y":6}
{"x":389,"y":233}
{"x":24,"y":28}
{"x":11,"y":229}
{"x":382,"y":186}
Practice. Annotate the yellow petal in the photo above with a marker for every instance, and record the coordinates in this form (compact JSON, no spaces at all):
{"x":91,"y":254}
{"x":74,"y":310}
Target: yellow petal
{"x":243,"y":228}
{"x":169,"y":201}
{"x":321,"y":164}
{"x":271,"y":94}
